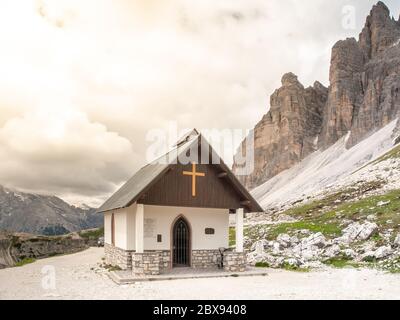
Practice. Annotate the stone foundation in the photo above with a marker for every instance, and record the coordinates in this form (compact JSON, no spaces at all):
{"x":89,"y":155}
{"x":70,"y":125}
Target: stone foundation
{"x":118,"y":257}
{"x":202,"y":259}
{"x":155,"y":262}
{"x":165,"y":260}
{"x":147,"y":263}
{"x":234,"y":261}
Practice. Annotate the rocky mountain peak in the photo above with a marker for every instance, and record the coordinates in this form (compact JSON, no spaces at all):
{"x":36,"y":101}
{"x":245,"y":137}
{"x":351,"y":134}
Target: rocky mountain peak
{"x":363,"y":96}
{"x":380,"y":31}
{"x":290,"y":79}
{"x":319,"y":86}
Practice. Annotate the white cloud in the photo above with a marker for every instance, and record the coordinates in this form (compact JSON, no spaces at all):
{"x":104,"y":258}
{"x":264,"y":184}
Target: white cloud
{"x":127,"y":66}
{"x":62,"y":151}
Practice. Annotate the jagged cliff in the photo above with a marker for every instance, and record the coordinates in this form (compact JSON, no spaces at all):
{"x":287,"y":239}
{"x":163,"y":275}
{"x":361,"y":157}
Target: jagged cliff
{"x":288,"y":132}
{"x":363,"y":96}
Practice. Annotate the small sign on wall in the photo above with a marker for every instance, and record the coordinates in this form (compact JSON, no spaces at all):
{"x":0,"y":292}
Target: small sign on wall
{"x":210,"y":231}
{"x":149,"y":228}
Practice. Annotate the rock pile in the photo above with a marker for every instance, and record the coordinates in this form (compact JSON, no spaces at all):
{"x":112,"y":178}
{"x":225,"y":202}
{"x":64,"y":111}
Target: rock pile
{"x":312,"y":250}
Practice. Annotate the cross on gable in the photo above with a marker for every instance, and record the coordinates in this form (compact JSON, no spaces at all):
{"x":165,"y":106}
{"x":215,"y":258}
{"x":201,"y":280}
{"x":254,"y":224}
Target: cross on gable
{"x":194,"y":174}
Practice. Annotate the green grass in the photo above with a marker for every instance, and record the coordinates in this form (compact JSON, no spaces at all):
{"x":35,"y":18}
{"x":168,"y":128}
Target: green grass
{"x":262,"y":265}
{"x":322,"y":216}
{"x":110,"y":267}
{"x":232,"y":237}
{"x":92,"y":234}
{"x":326,"y":228}
{"x":341,"y":262}
{"x":369,"y":206}
{"x":290,"y":267}
{"x":25,"y":261}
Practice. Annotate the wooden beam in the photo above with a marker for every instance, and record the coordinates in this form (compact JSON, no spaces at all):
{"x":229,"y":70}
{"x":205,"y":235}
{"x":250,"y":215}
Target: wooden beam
{"x":245,"y":202}
{"x":222,"y":175}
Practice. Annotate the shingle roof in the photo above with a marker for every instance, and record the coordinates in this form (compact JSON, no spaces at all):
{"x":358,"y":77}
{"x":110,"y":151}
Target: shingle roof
{"x":132,"y":190}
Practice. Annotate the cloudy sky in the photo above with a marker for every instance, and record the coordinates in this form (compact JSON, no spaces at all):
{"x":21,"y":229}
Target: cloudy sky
{"x":83,"y":82}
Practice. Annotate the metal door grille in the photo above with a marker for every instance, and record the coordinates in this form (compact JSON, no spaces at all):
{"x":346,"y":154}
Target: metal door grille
{"x":181,"y":245}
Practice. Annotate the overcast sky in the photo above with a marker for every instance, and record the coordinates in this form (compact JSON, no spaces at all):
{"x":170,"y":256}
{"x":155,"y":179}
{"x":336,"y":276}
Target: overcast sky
{"x":82,"y":82}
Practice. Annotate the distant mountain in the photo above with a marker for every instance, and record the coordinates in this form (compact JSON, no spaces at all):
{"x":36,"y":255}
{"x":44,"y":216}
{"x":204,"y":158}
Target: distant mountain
{"x":40,"y":214}
{"x":363,"y":97}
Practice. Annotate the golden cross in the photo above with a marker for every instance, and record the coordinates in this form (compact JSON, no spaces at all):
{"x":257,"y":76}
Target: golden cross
{"x":194,"y":174}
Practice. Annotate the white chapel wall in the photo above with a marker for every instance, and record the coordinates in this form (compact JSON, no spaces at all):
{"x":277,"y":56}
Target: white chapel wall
{"x":130,"y":227}
{"x":159,"y":219}
{"x":107,"y":227}
{"x":124,"y":220}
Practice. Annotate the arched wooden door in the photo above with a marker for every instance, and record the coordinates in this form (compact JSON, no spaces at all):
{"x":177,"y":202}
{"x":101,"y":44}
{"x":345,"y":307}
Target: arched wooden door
{"x":181,"y":245}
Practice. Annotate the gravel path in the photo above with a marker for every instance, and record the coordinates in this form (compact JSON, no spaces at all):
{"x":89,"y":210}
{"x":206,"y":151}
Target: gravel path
{"x":76,"y":280}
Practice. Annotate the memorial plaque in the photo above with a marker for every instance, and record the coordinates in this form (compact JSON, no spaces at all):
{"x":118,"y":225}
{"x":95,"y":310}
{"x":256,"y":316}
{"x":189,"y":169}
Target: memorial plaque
{"x":149,"y":228}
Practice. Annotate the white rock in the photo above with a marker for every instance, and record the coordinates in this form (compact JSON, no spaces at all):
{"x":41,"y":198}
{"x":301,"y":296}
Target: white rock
{"x":316,"y":239}
{"x":371,"y":217}
{"x":357,"y":231}
{"x":367,"y":230}
{"x":306,"y":253}
{"x":293,"y":262}
{"x":277,"y":248}
{"x":397,"y":240}
{"x":284,"y":240}
{"x":254,"y":257}
{"x":383,"y":203}
{"x":259,"y":246}
{"x":350,"y":253}
{"x":294,"y":240}
{"x":332,"y":251}
{"x":383,"y":252}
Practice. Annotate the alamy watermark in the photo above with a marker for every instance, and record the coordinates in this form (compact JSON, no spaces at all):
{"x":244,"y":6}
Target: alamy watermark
{"x":172,"y":146}
{"x":349,"y":17}
{"x":48,"y":281}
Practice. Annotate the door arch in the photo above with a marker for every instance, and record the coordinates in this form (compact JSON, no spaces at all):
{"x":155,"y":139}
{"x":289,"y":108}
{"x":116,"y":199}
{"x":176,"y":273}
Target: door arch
{"x":181,"y":243}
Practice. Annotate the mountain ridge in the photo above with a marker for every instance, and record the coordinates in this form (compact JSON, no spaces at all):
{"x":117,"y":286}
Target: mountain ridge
{"x":363,"y":96}
{"x":43,"y":214}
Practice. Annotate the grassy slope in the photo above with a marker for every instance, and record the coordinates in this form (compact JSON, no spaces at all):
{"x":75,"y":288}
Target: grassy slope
{"x":327,"y":215}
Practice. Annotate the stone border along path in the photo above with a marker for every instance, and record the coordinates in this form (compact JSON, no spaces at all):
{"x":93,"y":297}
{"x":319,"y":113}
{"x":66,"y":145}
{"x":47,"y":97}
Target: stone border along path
{"x":127,"y":277}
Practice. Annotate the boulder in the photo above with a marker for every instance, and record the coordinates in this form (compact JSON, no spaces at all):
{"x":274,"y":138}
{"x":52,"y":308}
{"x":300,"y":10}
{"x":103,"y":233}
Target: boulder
{"x":349,"y":253}
{"x":277,"y":248}
{"x":331,"y":251}
{"x":294,"y":240}
{"x":284,"y":240}
{"x":306,"y":253}
{"x":383,"y":203}
{"x":259,"y":246}
{"x":397,"y":241}
{"x":357,"y":232}
{"x":367,"y":230}
{"x":383,"y":252}
{"x":317,"y":239}
{"x":293,"y":262}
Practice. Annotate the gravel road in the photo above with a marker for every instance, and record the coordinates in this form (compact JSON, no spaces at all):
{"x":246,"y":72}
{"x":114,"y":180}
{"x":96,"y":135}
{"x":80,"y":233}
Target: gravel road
{"x":76,"y":278}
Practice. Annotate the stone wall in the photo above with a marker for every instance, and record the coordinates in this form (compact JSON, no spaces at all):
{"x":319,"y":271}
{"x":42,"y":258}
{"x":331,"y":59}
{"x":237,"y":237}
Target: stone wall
{"x":165,"y":260}
{"x":234,"y":261}
{"x":147,"y":263}
{"x":155,"y":262}
{"x":205,"y":258}
{"x":118,"y":257}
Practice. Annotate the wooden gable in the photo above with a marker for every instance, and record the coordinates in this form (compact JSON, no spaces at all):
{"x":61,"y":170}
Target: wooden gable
{"x":175,"y":189}
{"x":166,"y":183}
